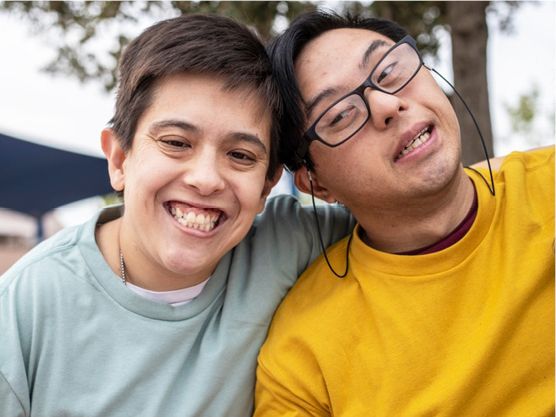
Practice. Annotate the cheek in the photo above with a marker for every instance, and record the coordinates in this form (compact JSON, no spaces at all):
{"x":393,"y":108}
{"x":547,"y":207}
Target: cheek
{"x":444,"y":108}
{"x":249,"y":193}
{"x":453,"y":121}
{"x":145,"y":176}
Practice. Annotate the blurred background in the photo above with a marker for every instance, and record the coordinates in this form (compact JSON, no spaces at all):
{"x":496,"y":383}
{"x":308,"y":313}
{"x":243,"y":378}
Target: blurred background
{"x":57,"y":78}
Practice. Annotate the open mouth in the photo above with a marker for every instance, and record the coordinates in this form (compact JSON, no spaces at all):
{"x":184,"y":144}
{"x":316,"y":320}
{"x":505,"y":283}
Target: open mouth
{"x":203,"y":219}
{"x":421,"y":138}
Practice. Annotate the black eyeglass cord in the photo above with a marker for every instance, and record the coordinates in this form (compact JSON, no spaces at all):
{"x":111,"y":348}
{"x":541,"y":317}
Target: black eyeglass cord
{"x":491,"y":185}
{"x":320,"y":235}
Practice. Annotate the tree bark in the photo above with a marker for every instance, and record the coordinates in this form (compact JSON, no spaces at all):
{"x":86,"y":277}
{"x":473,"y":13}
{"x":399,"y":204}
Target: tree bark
{"x":469,"y":33}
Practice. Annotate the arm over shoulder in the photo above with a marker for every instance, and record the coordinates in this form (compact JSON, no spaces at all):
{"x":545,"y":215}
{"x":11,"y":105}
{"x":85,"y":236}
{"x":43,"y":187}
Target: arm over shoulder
{"x":292,"y":228}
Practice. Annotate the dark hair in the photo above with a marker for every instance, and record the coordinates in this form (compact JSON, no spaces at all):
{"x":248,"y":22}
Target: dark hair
{"x":198,"y":44}
{"x":285,"y":49}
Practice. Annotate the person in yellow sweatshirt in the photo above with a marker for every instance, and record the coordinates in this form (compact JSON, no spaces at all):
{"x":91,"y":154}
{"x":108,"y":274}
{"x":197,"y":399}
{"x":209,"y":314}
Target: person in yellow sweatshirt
{"x":441,"y":302}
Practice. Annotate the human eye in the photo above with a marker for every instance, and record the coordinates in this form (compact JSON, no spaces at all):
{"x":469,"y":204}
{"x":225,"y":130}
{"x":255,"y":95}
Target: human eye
{"x":242,"y":157}
{"x":388,"y":74}
{"x":339,"y":117}
{"x":173,"y":143}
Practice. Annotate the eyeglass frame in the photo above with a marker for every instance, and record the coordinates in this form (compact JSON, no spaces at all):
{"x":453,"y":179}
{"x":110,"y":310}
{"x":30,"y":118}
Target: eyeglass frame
{"x":310,"y":134}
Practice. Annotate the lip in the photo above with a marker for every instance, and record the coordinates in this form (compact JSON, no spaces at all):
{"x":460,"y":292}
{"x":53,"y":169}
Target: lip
{"x":196,"y":206}
{"x":409,"y":135}
{"x":191,"y":204}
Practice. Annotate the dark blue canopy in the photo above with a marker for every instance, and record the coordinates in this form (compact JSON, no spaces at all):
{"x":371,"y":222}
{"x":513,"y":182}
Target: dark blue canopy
{"x":35,"y":179}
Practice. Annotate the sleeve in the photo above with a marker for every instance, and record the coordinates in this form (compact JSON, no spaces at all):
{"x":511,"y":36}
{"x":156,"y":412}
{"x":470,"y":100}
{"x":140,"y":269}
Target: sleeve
{"x":290,"y":378}
{"x":10,"y":405}
{"x":275,"y":399}
{"x":293,"y":230}
{"x":335,"y":222}
{"x":14,"y":386}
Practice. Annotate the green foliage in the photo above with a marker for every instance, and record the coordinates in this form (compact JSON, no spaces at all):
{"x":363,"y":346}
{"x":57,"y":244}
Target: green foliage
{"x":422,"y":19}
{"x":78,"y":26}
{"x":523,"y":113}
{"x":504,"y":12}
{"x":81,"y":26}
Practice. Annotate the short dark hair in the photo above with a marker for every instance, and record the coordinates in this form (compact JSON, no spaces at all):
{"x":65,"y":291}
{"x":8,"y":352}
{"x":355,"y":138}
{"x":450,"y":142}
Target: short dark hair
{"x":285,"y":49}
{"x":196,"y":44}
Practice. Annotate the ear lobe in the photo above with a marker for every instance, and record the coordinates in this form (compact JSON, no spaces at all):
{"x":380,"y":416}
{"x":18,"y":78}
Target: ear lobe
{"x":303,"y":178}
{"x":115,"y":156}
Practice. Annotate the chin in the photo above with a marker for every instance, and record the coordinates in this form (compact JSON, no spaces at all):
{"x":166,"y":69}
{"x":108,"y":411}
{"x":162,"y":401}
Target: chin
{"x":188,"y":263}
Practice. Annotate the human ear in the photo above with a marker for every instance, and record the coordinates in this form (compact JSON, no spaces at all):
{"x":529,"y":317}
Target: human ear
{"x":303,"y":178}
{"x":115,"y":156}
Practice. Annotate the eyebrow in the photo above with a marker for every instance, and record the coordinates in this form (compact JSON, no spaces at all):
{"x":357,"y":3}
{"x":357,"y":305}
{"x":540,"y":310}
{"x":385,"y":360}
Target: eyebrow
{"x":369,"y":52}
{"x":249,"y":138}
{"x":156,"y":127}
{"x":311,"y":104}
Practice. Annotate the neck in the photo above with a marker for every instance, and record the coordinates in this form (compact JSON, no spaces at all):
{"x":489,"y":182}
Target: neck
{"x":417,"y":223}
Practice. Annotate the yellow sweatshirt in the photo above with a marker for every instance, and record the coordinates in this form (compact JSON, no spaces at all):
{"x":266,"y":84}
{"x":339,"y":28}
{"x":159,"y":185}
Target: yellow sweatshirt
{"x":464,"y":332}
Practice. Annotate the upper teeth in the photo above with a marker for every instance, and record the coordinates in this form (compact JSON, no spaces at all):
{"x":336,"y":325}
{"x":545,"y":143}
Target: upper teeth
{"x":421,"y":138}
{"x":204,"y":222}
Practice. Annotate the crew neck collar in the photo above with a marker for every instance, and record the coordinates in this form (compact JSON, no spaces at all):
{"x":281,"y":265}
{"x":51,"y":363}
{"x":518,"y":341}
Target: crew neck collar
{"x":371,"y":259}
{"x":111,"y":284}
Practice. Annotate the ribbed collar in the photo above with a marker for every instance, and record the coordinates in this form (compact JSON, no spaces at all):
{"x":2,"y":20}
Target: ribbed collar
{"x":111,"y":285}
{"x":366,"y":258}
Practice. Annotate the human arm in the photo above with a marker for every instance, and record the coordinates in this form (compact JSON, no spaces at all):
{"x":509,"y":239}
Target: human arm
{"x":291,"y":231}
{"x":290,"y":374}
{"x":272,"y":399}
{"x":14,"y":398}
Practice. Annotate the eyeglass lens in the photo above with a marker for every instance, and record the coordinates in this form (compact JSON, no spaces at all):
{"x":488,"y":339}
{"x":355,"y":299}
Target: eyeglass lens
{"x":392,"y":73}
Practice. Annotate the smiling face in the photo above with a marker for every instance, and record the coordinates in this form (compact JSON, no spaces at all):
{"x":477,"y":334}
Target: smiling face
{"x":408,"y":149}
{"x":193,"y":180}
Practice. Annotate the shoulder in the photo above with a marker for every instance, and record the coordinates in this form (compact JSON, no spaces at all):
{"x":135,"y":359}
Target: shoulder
{"x":50,"y":258}
{"x":535,"y":156}
{"x":284,"y":215}
{"x":533,"y":159}
{"x":317,"y":293}
{"x":525,"y":182}
{"x":533,"y":168}
{"x":289,"y":207}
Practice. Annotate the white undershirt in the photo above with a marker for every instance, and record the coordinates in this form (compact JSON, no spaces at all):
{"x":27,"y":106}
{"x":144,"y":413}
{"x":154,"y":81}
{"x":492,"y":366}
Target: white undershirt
{"x":174,"y":298}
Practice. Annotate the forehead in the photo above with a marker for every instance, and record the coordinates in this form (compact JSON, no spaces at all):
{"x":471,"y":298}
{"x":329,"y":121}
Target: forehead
{"x":334,"y":58}
{"x":206,"y":102}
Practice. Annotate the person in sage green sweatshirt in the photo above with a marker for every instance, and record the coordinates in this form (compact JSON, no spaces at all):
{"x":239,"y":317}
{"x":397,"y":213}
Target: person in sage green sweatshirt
{"x":158,"y":307}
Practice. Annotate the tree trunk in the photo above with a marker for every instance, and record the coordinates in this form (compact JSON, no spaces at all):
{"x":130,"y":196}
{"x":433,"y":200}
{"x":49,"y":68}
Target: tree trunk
{"x":467,"y":20}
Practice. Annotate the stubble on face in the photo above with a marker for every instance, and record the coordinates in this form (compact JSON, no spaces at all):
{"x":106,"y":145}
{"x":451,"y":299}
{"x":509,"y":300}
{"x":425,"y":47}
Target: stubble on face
{"x":363,"y":173}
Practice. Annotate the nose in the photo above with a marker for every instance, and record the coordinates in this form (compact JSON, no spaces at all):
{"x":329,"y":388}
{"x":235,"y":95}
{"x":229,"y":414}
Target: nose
{"x":385,"y":108}
{"x":204,"y":174}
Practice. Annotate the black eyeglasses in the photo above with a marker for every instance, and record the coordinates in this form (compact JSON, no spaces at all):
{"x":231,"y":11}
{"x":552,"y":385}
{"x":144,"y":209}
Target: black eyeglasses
{"x":347,"y":115}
